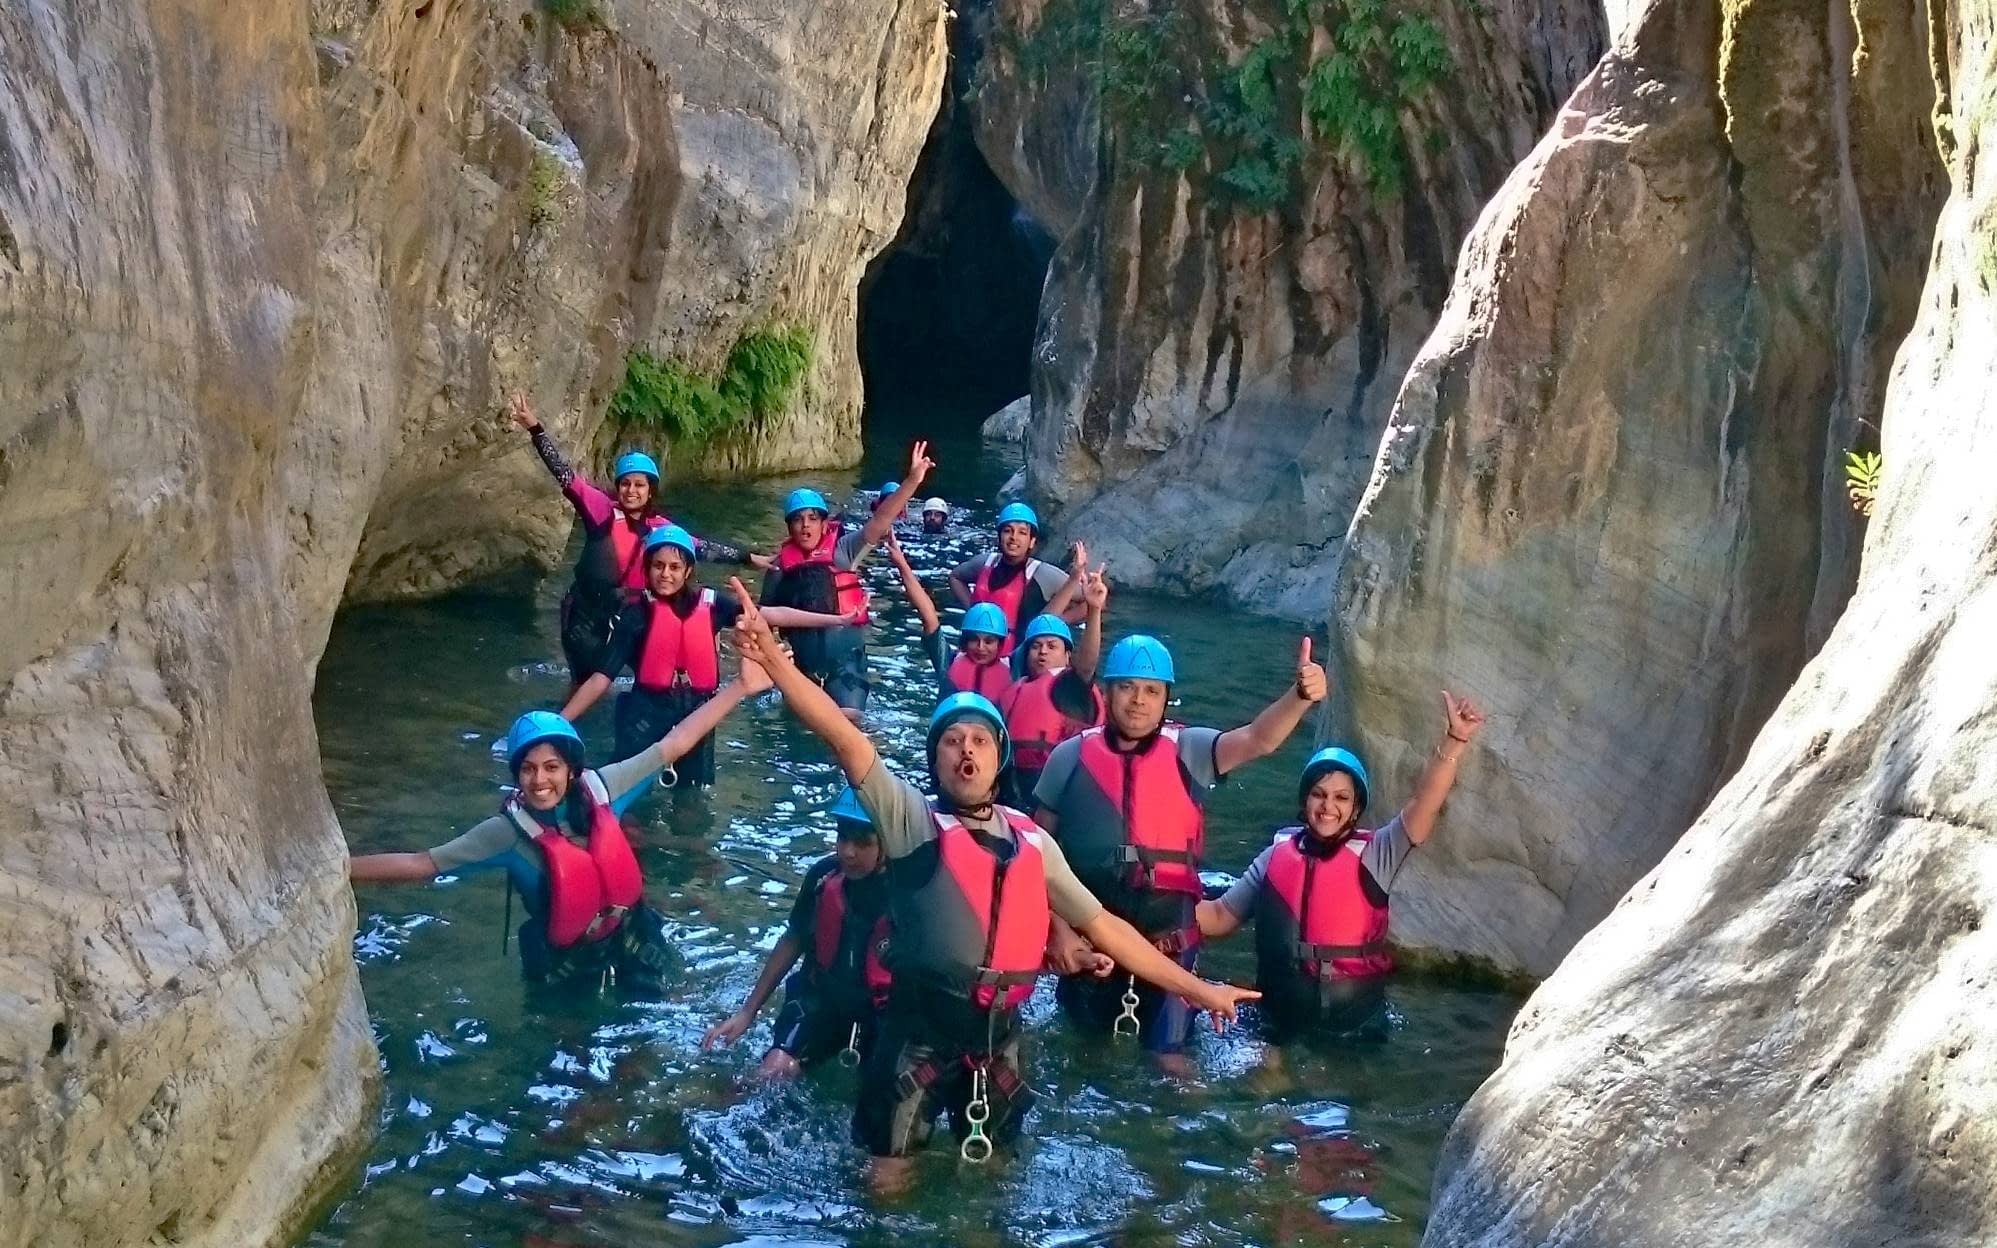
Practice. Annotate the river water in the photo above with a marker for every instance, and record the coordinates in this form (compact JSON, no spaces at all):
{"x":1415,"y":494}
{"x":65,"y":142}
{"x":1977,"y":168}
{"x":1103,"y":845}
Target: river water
{"x":508,"y":1120}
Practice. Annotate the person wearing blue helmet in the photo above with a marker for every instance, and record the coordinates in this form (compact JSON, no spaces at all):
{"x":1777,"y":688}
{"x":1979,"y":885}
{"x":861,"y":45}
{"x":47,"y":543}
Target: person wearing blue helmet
{"x":817,"y":569}
{"x":1127,"y":803}
{"x":837,"y":938}
{"x":558,"y":838}
{"x":1010,"y":577}
{"x":668,"y":640}
{"x":1056,"y":698}
{"x":610,"y":572}
{"x":972,"y":886}
{"x":885,"y":495}
{"x":1318,"y":894}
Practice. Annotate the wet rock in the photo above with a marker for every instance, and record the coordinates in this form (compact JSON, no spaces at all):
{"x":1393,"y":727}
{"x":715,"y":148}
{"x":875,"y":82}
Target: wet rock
{"x":1008,"y":424}
{"x":1238,"y":289}
{"x":798,"y":128}
{"x":1779,"y":1035}
{"x":1609,"y":503}
{"x":265,"y":279}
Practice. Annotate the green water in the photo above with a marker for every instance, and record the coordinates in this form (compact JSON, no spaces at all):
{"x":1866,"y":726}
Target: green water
{"x":599,"y":1122}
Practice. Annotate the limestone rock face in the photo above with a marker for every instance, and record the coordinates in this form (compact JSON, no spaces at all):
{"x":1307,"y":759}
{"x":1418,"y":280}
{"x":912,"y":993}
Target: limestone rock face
{"x":1238,"y":288}
{"x":798,"y":125}
{"x":1781,"y":1036}
{"x":1609,"y":503}
{"x":750,"y":192}
{"x":266,"y":275}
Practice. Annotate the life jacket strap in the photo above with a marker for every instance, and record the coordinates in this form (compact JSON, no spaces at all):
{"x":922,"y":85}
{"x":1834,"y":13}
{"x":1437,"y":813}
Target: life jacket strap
{"x":603,"y":924}
{"x":1176,"y":942}
{"x":1323,"y":954}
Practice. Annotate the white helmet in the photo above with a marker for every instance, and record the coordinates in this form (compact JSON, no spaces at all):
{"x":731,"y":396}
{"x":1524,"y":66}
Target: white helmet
{"x":936,"y":504}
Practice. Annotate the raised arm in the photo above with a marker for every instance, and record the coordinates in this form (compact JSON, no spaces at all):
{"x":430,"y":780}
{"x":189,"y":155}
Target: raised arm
{"x":918,"y":597}
{"x":1089,"y":651}
{"x":585,"y":696}
{"x":881,"y":523}
{"x":813,"y":707}
{"x":410,"y":868}
{"x":1265,"y":734}
{"x":704,"y":718}
{"x":789,"y":949}
{"x":1065,"y":601}
{"x":1462,"y":721}
{"x":591,"y":503}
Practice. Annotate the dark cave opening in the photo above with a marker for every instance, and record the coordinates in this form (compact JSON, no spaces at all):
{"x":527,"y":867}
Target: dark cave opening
{"x":948,"y":311}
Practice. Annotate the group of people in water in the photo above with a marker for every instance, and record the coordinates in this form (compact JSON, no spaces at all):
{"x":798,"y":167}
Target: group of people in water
{"x":1061,"y":830}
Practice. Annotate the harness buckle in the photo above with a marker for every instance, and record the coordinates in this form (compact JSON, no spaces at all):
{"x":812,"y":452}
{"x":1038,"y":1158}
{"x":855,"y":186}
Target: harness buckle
{"x":849,"y":1057}
{"x":977,"y":1146}
{"x":1126,"y":1023}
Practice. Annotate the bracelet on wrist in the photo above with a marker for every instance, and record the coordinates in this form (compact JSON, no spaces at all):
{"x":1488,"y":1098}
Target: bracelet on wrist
{"x":1453,"y":737}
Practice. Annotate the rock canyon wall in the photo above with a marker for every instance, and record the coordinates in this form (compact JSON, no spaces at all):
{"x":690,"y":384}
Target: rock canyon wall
{"x":1780,"y":1035}
{"x":266,"y":274}
{"x":1610,"y":502}
{"x":1259,"y":205}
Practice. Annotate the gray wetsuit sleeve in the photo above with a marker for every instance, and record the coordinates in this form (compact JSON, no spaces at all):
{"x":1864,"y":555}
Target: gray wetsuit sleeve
{"x":1199,"y":752}
{"x":488,"y":838}
{"x":851,"y":551}
{"x":1386,"y":852}
{"x":1054,"y":776}
{"x":898,"y":809}
{"x":620,"y":778}
{"x":1066,"y":895}
{"x":1240,"y":895}
{"x":967,"y":571}
{"x":1049,"y":578}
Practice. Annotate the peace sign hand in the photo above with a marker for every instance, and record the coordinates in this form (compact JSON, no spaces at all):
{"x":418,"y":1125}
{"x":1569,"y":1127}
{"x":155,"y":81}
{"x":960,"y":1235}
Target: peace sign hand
{"x":522,"y":415}
{"x":1095,"y":588}
{"x":1312,"y":684}
{"x":919,"y":463}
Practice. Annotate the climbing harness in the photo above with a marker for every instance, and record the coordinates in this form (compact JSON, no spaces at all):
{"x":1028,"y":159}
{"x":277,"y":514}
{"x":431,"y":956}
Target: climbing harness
{"x":1126,"y":1022}
{"x":849,"y":1057}
{"x":977,"y":1146}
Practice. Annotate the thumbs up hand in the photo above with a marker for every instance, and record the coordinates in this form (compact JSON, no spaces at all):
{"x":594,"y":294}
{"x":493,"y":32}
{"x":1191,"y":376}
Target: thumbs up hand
{"x":1312,"y":684}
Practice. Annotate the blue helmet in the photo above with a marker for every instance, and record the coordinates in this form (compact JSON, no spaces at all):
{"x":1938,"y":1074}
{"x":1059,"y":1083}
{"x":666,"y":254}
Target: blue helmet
{"x":1335,"y":758}
{"x":986,"y":618}
{"x":959,"y":705}
{"x":889,"y":487}
{"x":805,"y":500}
{"x":635,"y":461}
{"x":1045,"y":625}
{"x":1138,"y":657}
{"x":536,"y":727}
{"x":670,"y":535}
{"x":1018,"y":513}
{"x":852,"y":818}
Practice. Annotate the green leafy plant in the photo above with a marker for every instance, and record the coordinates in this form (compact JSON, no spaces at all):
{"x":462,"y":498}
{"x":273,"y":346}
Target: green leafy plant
{"x":574,"y":15}
{"x":547,"y":178}
{"x":1862,"y":473}
{"x":760,"y":378}
{"x":1171,"y":105}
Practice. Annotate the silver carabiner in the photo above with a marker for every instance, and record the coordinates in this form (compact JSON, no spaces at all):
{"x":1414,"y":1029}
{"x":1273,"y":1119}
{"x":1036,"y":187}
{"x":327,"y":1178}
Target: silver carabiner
{"x":1129,"y":1016}
{"x":849,"y":1057}
{"x":977,"y":1146}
